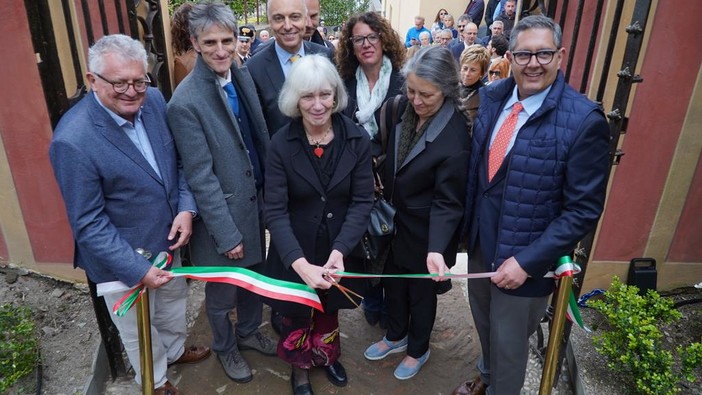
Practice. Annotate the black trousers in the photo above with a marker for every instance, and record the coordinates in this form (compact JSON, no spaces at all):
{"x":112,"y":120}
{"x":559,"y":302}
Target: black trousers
{"x":411,"y":306}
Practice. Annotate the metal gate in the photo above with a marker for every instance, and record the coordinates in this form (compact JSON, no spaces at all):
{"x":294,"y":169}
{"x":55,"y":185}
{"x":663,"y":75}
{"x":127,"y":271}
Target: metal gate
{"x":85,"y":21}
{"x":627,"y":77}
{"x":79,"y":24}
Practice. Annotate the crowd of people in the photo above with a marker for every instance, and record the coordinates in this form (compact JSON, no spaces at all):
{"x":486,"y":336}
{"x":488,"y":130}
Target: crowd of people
{"x":289,"y":132}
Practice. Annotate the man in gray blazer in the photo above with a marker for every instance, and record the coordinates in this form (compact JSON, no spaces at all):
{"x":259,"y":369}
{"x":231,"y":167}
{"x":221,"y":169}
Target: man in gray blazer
{"x":221,"y":136}
{"x":115,"y":162}
{"x":270,"y":65}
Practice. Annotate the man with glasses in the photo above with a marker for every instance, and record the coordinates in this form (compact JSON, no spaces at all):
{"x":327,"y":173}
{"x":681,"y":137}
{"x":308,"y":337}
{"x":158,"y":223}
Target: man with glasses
{"x":445,"y":38}
{"x":536,"y":187}
{"x":115,"y":162}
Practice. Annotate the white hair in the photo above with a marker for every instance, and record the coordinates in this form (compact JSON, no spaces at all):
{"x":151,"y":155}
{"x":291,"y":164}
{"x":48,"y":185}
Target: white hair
{"x":310,"y":74}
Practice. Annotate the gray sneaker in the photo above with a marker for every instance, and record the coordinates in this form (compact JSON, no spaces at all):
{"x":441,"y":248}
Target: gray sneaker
{"x":259,"y":342}
{"x":235,"y":366}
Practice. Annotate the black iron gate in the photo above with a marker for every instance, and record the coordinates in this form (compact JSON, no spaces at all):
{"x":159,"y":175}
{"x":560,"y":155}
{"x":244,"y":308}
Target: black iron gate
{"x":626,"y":79}
{"x":139,"y":19}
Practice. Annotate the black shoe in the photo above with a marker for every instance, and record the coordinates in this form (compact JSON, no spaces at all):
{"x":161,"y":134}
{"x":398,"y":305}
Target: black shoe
{"x":276,"y":322}
{"x":337,"y":374}
{"x":302,"y":389}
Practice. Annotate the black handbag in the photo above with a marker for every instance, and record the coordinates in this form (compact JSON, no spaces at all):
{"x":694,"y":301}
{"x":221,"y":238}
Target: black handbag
{"x":375,"y":244}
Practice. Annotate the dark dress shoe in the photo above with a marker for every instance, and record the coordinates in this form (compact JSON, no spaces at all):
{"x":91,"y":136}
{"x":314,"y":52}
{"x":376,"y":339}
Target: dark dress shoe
{"x":471,"y":387}
{"x":276,"y":322}
{"x":192,"y":354}
{"x":337,"y":374}
{"x":166,"y":389}
{"x":302,"y":389}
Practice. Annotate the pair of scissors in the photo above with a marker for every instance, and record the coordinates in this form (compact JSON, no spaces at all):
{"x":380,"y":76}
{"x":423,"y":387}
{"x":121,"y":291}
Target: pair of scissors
{"x":343,"y":289}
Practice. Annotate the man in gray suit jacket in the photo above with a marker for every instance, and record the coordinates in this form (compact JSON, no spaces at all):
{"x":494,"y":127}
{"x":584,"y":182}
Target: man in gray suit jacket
{"x":115,"y":162}
{"x":270,"y":65}
{"x":221,"y":136}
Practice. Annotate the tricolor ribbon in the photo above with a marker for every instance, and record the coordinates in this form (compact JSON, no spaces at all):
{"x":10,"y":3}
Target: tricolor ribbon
{"x":296,"y":292}
{"x":244,"y":278}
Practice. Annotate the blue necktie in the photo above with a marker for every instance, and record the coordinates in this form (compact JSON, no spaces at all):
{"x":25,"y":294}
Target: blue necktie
{"x":233,"y":99}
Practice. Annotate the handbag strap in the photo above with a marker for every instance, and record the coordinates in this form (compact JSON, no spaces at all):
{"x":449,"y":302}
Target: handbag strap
{"x":383,"y":121}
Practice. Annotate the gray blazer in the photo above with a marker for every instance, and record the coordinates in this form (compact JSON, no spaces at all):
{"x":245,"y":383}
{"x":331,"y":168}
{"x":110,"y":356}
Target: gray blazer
{"x":217,"y":166}
{"x":114,"y":199}
{"x":269,"y":79}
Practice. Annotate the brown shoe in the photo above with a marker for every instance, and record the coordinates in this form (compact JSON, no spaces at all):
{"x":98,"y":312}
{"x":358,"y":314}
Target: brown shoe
{"x":192,"y":354}
{"x":166,"y":389}
{"x":471,"y":387}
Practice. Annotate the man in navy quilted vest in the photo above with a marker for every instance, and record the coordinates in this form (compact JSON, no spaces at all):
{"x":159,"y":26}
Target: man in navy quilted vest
{"x":536,"y":186}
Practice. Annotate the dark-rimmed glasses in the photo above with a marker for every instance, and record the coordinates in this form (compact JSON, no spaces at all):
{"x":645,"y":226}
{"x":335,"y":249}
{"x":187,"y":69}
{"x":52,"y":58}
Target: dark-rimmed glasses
{"x":372,"y":38}
{"x":494,"y":72}
{"x":544,"y":56}
{"x":140,"y":86}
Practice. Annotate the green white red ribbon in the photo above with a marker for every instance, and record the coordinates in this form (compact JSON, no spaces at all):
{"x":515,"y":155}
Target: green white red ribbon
{"x":301,"y":293}
{"x":565,"y":268}
{"x":244,"y":278}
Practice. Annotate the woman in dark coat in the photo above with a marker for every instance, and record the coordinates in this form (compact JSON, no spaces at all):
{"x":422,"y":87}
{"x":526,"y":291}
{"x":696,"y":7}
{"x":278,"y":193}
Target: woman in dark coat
{"x":369,"y":59}
{"x":424,"y":177}
{"x":318,"y":196}
{"x":474,"y":63}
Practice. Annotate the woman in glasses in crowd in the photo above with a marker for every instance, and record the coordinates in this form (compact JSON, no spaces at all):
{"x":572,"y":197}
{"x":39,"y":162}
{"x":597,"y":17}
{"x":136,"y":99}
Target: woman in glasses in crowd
{"x":499,"y":69}
{"x":369,"y":59}
{"x":439,"y":20}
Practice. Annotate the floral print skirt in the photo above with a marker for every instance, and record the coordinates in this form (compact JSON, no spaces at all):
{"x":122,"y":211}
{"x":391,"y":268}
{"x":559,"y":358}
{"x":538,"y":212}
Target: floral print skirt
{"x":306,"y":342}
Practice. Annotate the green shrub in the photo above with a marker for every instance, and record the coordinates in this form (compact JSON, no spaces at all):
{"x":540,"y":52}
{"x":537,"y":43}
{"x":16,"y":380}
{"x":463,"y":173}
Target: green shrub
{"x":18,"y":345}
{"x":633,"y":341}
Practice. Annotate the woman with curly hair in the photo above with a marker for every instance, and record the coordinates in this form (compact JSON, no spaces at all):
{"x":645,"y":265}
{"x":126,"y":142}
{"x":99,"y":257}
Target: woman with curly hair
{"x":369,"y":58}
{"x":474,"y":63}
{"x":185,"y":55}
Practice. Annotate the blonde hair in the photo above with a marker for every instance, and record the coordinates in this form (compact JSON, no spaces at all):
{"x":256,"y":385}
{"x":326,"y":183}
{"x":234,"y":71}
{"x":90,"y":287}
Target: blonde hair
{"x":477,"y":54}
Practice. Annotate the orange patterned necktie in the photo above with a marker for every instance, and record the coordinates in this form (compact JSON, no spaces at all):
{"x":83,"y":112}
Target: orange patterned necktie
{"x":504,"y":135}
{"x":295,"y":58}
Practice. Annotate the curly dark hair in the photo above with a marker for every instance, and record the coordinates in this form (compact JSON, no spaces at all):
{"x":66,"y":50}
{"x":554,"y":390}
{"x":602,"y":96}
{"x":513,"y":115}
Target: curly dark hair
{"x":180,"y":33}
{"x":393,"y":47}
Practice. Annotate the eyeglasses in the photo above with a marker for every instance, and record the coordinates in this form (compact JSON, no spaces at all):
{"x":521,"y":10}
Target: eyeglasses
{"x":123,"y":86}
{"x":443,"y":13}
{"x":494,"y":72}
{"x":372,"y":39}
{"x":461,"y":26}
{"x":544,"y":57}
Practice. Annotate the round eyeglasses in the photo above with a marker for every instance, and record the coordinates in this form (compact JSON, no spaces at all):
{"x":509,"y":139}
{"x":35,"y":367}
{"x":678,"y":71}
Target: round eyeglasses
{"x":372,"y":39}
{"x":544,"y":57}
{"x":140,"y":86}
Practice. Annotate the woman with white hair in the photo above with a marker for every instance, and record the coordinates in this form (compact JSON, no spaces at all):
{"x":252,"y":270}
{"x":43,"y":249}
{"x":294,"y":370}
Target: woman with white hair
{"x":318,"y":197}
